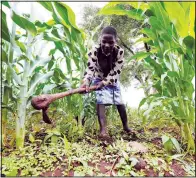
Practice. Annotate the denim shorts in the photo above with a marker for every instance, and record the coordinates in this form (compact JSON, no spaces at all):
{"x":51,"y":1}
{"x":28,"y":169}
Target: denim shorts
{"x":108,"y":95}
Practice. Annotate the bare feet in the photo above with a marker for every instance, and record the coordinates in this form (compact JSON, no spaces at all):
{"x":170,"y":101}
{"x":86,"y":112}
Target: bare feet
{"x":130,"y":131}
{"x":103,"y":135}
{"x":127,"y":129}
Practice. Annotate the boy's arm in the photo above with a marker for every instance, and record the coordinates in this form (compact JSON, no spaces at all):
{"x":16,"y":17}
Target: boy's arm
{"x":91,"y":65}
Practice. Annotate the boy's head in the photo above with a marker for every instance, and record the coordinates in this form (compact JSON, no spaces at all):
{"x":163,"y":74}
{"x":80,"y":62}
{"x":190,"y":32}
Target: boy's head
{"x":108,"y":39}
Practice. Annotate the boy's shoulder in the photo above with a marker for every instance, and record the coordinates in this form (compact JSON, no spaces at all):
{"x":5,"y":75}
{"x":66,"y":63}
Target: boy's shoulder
{"x":118,"y":47}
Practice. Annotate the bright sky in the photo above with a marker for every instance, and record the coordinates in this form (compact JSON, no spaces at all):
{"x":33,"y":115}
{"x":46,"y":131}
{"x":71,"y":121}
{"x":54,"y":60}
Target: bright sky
{"x":131,"y":95}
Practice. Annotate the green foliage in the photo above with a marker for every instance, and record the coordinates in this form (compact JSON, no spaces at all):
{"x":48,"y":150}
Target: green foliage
{"x":174,"y":64}
{"x":5,"y":31}
{"x":24,"y":23}
{"x":26,"y":70}
{"x":170,"y":143}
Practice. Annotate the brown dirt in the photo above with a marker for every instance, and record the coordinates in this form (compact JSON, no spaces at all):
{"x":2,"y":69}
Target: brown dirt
{"x":157,"y":141}
{"x":56,"y":173}
{"x":150,"y":173}
{"x":102,"y":167}
{"x":176,"y":169}
{"x":155,"y":129}
{"x":141,"y":164}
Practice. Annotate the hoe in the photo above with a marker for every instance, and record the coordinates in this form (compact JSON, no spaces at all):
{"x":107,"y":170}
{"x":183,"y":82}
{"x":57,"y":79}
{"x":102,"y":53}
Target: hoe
{"x":43,"y":101}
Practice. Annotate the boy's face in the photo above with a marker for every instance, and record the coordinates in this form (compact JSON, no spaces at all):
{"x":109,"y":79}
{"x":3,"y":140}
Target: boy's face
{"x":107,"y":43}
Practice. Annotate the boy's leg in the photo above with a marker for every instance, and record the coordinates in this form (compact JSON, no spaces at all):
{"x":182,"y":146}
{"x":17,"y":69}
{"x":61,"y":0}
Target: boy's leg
{"x":102,"y":119}
{"x":123,"y":115}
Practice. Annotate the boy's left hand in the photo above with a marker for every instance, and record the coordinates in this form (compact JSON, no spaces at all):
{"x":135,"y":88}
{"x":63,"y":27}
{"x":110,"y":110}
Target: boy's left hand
{"x":100,"y":85}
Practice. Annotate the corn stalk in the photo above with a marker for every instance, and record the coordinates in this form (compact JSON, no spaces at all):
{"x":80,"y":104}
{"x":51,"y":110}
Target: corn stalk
{"x":171,"y":58}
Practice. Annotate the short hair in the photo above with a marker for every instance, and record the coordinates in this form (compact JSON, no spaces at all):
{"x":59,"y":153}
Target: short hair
{"x":109,"y":30}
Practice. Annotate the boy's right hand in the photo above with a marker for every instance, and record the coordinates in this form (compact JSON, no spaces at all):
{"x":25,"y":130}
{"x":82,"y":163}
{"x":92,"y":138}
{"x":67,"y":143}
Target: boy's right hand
{"x":86,"y":88}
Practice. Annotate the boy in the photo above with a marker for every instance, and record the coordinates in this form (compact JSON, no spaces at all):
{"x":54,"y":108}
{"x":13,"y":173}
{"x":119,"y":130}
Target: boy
{"x":105,"y":63}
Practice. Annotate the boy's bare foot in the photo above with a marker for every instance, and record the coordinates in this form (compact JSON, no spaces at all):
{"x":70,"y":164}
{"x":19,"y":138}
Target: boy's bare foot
{"x":103,"y":135}
{"x":130,"y":131}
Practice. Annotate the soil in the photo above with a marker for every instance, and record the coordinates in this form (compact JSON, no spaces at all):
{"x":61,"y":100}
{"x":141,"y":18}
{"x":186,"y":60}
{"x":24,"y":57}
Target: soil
{"x":176,"y":169}
{"x":105,"y":167}
{"x":157,"y":141}
{"x":150,"y":173}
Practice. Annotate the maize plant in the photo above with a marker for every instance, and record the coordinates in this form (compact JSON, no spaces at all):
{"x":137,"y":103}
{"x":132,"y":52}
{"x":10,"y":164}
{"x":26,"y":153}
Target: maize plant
{"x":171,"y":37}
{"x":25,"y":68}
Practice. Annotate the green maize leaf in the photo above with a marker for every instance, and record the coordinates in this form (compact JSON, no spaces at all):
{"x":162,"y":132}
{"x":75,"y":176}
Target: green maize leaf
{"x":60,"y":21}
{"x":4,"y":56}
{"x":185,"y":6}
{"x":59,"y":46}
{"x":55,"y":32}
{"x":189,"y":9}
{"x":77,"y":37}
{"x":50,"y":23}
{"x":187,"y":88}
{"x":48,"y":88}
{"x":166,"y":36}
{"x":38,"y":62}
{"x":157,"y":67}
{"x":160,"y":13}
{"x":139,"y":5}
{"x":5,"y":3}
{"x":156,"y":24}
{"x":167,"y":63}
{"x":140,"y":55}
{"x":158,"y":87}
{"x":52,"y":51}
{"x":69,"y":12}
{"x":56,"y":77}
{"x":148,"y":32}
{"x":50,"y":37}
{"x":40,"y":78}
{"x":192,"y":20}
{"x":67,"y":34}
{"x":189,"y":41}
{"x":189,"y":71}
{"x":21,"y":46}
{"x":47,"y":5}
{"x":62,"y":12}
{"x":68,"y":64}
{"x":118,"y":10}
{"x":178,"y":17}
{"x":16,"y":78}
{"x":142,"y":102}
{"x":172,"y":74}
{"x":24,"y":23}
{"x":163,"y":76}
{"x":51,"y":63}
{"x":60,"y":73}
{"x":76,"y":61}
{"x":149,"y":13}
{"x":144,"y":39}
{"x":4,"y":30}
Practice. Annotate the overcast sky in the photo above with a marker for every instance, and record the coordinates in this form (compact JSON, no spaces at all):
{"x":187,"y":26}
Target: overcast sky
{"x":131,"y":96}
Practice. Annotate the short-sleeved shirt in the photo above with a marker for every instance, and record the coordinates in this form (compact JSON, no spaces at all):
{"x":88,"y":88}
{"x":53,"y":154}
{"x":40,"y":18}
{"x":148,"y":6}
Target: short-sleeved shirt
{"x":106,"y":68}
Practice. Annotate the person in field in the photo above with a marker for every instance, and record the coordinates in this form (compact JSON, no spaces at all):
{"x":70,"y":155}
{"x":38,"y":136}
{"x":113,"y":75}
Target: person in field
{"x":105,"y":62}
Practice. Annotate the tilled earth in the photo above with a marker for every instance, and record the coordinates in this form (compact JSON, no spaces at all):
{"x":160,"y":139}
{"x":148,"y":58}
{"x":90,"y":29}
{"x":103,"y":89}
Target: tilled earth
{"x":126,"y":155}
